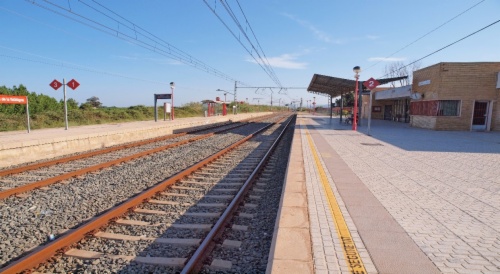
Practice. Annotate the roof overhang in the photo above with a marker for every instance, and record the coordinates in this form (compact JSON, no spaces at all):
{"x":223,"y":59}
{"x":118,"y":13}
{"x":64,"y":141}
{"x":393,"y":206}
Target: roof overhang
{"x":333,"y":86}
{"x":395,"y":93}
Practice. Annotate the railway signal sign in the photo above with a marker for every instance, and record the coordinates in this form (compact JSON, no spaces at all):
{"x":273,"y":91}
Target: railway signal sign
{"x":73,"y":84}
{"x":55,"y":84}
{"x":371,"y":83}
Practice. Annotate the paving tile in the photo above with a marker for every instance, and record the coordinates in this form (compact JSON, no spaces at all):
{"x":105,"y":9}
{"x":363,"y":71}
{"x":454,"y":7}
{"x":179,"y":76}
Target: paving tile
{"x":444,"y":193}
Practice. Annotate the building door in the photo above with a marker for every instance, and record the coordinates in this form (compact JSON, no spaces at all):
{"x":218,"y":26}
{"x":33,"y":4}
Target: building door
{"x":388,"y":112}
{"x":479,"y":119}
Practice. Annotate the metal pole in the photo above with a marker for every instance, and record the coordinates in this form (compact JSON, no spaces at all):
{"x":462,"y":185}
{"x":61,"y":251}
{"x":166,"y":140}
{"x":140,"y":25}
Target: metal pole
{"x":341,"y":107}
{"x":28,"y":113}
{"x":172,"y":110}
{"x":271,"y":100}
{"x":331,"y":109}
{"x":65,"y":105}
{"x":156,"y":109}
{"x":370,"y":113}
{"x":360,"y":101}
{"x":355,"y":110}
{"x":235,"y":88}
{"x":314,"y":106}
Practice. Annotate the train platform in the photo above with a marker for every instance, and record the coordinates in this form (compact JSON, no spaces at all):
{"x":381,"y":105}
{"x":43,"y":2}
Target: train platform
{"x":402,"y":200}
{"x":18,"y":147}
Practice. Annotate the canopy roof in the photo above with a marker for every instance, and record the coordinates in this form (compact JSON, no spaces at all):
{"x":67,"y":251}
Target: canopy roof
{"x":333,"y":86}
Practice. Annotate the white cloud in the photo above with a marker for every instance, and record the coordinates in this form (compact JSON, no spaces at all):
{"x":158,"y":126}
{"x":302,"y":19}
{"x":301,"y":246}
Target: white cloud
{"x":386,"y":59}
{"x":319,"y":34}
{"x":372,"y":37}
{"x":284,"y":61}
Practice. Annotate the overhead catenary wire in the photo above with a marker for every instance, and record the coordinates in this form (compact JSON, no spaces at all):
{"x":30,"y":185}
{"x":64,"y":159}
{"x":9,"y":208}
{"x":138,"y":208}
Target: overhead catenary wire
{"x":154,"y":44}
{"x":77,"y":67}
{"x":258,"y":44}
{"x":260,"y":61}
{"x":433,"y":30}
{"x":449,"y":45}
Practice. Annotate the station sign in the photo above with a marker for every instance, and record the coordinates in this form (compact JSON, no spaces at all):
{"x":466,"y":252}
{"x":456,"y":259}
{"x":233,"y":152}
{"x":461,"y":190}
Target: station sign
{"x":11,"y":99}
{"x":163,"y":96}
{"x":371,"y":83}
{"x":73,"y":84}
{"x":55,"y":84}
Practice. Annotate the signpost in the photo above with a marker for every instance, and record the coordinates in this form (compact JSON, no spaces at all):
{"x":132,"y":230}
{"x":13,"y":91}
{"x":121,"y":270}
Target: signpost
{"x":370,"y":84}
{"x":21,"y":100}
{"x":73,"y":84}
{"x":55,"y":84}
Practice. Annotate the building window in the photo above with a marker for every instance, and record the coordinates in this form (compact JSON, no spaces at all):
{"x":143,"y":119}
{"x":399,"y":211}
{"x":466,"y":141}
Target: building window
{"x":435,"y":108}
{"x":449,"y":108}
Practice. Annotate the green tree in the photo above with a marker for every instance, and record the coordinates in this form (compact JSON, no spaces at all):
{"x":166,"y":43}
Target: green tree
{"x":72,"y":104}
{"x":94,"y":102}
{"x":348,"y":100}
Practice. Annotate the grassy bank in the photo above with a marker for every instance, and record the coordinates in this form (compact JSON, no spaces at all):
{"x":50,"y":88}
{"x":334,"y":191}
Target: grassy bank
{"x":104,"y":115}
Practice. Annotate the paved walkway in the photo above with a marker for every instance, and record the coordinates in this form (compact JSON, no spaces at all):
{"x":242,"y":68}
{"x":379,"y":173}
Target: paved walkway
{"x":415,"y":200}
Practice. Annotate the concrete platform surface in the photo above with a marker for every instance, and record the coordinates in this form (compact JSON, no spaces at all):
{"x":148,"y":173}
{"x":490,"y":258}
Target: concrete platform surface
{"x":414,"y":200}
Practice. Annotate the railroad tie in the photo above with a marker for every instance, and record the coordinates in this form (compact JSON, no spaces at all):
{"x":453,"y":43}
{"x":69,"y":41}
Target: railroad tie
{"x":123,"y":237}
{"x":85,"y":254}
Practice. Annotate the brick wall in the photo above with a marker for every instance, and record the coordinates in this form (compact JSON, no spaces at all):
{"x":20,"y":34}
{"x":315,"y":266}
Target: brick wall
{"x":467,"y":82}
{"x":495,"y":122}
{"x":428,"y":122}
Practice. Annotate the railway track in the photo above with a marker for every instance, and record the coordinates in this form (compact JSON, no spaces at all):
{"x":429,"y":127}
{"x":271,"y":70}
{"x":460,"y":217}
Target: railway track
{"x":15,"y":181}
{"x":163,"y":232}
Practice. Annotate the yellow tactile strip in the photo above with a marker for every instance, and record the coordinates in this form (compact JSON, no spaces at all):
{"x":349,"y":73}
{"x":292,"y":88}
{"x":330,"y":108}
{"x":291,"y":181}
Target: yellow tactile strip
{"x":390,"y":248}
{"x":351,"y":254}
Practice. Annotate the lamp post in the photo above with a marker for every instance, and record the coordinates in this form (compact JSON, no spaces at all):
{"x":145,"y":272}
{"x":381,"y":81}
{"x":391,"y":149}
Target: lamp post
{"x":356,"y":70}
{"x":172,"y":87}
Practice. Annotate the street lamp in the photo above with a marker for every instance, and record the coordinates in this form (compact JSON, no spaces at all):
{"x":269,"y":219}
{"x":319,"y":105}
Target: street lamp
{"x":172,"y":87}
{"x":356,"y":70}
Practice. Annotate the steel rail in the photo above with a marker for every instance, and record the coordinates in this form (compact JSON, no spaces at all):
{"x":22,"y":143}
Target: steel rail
{"x":44,"y":253}
{"x":111,"y":149}
{"x":195,"y":262}
{"x":100,"y":151}
{"x":85,"y":155}
{"x":25,"y":188}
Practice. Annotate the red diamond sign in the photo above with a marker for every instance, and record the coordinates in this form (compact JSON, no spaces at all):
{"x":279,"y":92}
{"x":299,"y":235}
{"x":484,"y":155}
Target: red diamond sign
{"x":73,"y":84}
{"x":371,"y":83}
{"x":55,"y":84}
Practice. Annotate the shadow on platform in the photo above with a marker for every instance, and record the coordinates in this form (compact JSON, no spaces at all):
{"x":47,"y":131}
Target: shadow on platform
{"x":417,"y":139}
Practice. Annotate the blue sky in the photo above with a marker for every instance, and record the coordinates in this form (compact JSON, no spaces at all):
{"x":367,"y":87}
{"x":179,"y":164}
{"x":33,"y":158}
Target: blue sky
{"x":126,"y":65}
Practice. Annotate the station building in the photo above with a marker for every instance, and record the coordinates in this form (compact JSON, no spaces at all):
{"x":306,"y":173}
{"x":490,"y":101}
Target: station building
{"x":388,"y":104}
{"x":444,"y":96}
{"x":457,"y":96}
